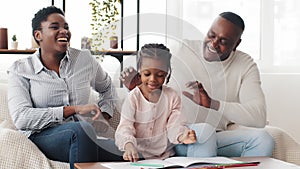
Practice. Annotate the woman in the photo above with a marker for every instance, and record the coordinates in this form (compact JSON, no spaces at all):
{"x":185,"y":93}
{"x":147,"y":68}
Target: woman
{"x":50,"y":88}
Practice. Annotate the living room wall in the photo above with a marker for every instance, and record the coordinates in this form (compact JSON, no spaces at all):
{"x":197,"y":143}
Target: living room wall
{"x":282,"y":95}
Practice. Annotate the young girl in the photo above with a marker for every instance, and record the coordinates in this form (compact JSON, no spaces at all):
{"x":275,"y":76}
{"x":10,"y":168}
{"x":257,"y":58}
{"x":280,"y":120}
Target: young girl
{"x":151,"y":120}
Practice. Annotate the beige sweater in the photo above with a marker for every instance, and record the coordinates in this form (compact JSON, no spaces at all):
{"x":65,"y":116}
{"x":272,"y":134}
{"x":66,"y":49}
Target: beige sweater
{"x":235,"y":82}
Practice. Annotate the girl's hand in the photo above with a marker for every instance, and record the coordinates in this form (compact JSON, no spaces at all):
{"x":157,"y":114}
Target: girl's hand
{"x":130,"y":153}
{"x":188,"y":137}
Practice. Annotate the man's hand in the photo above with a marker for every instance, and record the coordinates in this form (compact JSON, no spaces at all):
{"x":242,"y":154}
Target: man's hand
{"x":130,"y":78}
{"x":188,"y":137}
{"x":130,"y":153}
{"x":200,"y":96}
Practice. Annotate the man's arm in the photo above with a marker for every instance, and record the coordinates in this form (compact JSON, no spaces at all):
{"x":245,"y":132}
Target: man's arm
{"x":249,"y":110}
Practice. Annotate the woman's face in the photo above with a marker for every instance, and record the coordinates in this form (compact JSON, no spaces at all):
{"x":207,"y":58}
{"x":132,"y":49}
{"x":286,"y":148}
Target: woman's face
{"x":54,"y":34}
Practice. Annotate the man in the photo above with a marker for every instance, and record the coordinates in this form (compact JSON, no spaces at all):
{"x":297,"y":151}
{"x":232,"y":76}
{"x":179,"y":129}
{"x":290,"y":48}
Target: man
{"x":227,"y":88}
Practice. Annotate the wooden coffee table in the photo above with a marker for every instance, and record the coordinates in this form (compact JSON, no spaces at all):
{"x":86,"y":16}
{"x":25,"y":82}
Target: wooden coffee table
{"x":265,"y":163}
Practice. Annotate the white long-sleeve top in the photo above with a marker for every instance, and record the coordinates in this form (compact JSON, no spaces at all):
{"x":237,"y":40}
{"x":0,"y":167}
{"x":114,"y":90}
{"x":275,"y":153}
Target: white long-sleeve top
{"x":235,"y":82}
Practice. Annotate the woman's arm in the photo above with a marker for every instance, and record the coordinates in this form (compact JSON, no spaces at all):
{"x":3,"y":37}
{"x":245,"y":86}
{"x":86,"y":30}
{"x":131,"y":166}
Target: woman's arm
{"x":22,"y":110}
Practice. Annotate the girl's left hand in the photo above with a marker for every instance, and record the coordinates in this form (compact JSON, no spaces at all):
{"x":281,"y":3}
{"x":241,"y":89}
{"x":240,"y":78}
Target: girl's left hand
{"x":188,"y":137}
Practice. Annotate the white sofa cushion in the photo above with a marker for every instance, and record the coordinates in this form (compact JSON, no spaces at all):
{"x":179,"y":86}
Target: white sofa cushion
{"x":5,"y":119}
{"x":17,"y":151}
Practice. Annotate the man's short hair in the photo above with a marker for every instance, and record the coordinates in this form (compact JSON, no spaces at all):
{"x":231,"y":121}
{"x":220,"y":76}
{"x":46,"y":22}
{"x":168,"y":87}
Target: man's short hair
{"x":233,"y":18}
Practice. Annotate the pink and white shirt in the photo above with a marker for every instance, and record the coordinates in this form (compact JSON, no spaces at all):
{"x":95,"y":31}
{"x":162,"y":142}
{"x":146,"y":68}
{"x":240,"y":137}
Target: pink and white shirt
{"x":151,"y":127}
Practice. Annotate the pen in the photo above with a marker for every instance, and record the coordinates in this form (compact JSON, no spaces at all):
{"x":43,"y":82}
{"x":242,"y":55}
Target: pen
{"x":147,"y":165}
{"x":222,"y":166}
{"x":238,"y":165}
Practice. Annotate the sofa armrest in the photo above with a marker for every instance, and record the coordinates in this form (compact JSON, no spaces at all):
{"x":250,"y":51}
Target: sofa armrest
{"x":286,"y":147}
{"x":17,"y":151}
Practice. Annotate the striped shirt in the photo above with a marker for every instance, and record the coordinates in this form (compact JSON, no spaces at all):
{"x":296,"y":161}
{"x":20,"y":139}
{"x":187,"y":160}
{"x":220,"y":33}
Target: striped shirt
{"x":37,"y":95}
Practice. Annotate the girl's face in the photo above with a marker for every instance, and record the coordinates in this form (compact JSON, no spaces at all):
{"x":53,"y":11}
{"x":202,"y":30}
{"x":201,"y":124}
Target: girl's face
{"x":54,"y":35}
{"x":153,"y":73}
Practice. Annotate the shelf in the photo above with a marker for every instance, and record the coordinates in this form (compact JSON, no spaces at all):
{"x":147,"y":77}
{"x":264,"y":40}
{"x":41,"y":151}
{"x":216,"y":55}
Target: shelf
{"x":14,"y":51}
{"x":118,"y":54}
{"x":114,"y":52}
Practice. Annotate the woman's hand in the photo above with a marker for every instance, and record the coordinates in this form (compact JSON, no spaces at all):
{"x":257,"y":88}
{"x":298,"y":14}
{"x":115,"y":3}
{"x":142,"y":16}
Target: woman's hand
{"x":130,"y":153}
{"x":89,"y":108}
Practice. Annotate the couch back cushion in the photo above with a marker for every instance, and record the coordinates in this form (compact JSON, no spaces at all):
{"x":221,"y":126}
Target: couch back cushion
{"x":3,"y":102}
{"x":5,"y":118}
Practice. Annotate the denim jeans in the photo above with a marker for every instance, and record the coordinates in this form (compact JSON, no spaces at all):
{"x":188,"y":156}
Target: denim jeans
{"x":231,"y":143}
{"x":75,"y":142}
{"x":245,"y":142}
{"x":206,"y":145}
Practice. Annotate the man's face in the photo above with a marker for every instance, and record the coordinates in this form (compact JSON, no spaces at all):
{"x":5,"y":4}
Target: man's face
{"x":222,"y":38}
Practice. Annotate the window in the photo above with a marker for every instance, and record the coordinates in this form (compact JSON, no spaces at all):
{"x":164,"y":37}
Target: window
{"x":201,"y":13}
{"x":271,"y":33}
{"x":286,"y":32}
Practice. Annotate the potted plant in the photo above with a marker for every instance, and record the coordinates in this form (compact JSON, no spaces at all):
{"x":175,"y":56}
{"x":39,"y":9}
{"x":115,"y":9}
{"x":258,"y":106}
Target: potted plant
{"x":104,"y":22}
{"x":14,"y":43}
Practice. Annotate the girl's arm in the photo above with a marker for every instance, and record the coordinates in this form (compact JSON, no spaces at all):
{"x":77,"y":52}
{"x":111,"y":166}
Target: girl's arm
{"x":126,"y":131}
{"x":176,"y":124}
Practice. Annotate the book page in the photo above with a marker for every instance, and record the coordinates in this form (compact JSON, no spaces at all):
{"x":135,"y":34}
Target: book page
{"x":120,"y":165}
{"x":153,"y":163}
{"x":170,"y":162}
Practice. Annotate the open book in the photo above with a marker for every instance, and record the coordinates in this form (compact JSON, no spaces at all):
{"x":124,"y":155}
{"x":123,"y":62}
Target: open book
{"x":180,"y":162}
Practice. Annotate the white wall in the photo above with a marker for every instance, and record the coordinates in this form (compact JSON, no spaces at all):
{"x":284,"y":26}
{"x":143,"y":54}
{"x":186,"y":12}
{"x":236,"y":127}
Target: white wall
{"x":282,"y":93}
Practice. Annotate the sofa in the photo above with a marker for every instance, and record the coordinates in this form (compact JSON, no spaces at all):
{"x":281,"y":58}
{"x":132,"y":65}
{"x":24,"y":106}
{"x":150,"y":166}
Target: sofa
{"x":17,"y":151}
